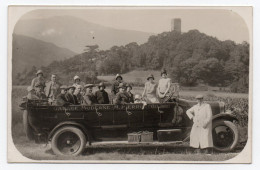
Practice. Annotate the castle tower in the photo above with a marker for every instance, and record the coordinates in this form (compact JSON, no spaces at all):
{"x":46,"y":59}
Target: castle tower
{"x":176,"y":25}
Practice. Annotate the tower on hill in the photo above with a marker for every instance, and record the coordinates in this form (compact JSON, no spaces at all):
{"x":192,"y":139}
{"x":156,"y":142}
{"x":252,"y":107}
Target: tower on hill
{"x":176,"y":25}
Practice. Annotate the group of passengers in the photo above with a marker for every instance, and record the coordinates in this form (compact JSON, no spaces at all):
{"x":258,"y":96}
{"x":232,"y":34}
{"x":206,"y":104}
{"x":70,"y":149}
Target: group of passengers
{"x":78,"y":93}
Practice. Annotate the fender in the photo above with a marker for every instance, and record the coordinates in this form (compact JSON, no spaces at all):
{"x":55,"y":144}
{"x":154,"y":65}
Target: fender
{"x":225,"y":116}
{"x":80,"y":126}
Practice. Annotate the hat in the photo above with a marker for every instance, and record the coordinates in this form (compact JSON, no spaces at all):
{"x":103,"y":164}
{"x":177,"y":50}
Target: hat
{"x":71,"y":87}
{"x":163,"y":71}
{"x":39,"y":72}
{"x":121,"y":85}
{"x":150,"y":76}
{"x":118,"y":75}
{"x":101,"y":85}
{"x":76,"y":77}
{"x":199,"y":96}
{"x":63,"y":87}
{"x":137,"y":97}
{"x":88,"y":85}
{"x":38,"y":84}
{"x":29,"y":88}
{"x":128,"y":85}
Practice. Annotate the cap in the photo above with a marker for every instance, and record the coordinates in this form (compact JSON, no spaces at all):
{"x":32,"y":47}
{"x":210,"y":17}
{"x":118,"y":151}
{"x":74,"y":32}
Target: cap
{"x":150,"y":76}
{"x":199,"y":96}
{"x":101,"y":85}
{"x":163,"y":71}
{"x":76,"y":77}
{"x":121,"y":85}
{"x":63,"y":87}
{"x":39,"y":72}
{"x":118,"y":75}
{"x":88,"y":85}
{"x":129,"y":85}
{"x":71,"y":87}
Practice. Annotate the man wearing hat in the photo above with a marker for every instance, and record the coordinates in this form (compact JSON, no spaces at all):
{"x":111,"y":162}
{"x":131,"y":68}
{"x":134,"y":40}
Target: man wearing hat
{"x":121,"y":96}
{"x":89,"y":98}
{"x":163,"y":85}
{"x":38,"y":91}
{"x":61,"y":99}
{"x":115,"y":89}
{"x":201,"y":132}
{"x":52,"y":88}
{"x":129,"y":93}
{"x":31,"y":93}
{"x":70,"y":97}
{"x":150,"y":90}
{"x":101,"y":94}
{"x":38,"y":79}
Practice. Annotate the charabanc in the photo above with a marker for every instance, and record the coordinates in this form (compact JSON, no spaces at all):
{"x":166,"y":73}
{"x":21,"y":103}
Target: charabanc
{"x":70,"y":128}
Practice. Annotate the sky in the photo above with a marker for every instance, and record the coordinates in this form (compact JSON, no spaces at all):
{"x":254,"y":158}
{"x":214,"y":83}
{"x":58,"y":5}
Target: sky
{"x":220,"y":23}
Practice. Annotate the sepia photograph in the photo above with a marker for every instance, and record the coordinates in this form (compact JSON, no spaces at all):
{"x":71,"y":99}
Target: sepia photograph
{"x":129,"y":84}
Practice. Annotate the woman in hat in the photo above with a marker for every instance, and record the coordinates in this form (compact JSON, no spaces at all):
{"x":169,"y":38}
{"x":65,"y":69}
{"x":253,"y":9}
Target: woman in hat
{"x":77,"y":82}
{"x":115,"y":89}
{"x":201,"y":132}
{"x":121,"y":96}
{"x":129,"y":93}
{"x":163,"y":85}
{"x":149,"y":92}
{"x":89,"y":98}
{"x":31,"y":93}
{"x":70,"y":97}
{"x":101,"y":94}
{"x":38,"y":79}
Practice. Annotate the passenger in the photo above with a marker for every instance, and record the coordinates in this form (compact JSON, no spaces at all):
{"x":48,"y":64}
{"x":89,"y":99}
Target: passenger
{"x":163,"y":86}
{"x":52,"y":89}
{"x":38,"y":79}
{"x":61,"y":99}
{"x":129,"y":93}
{"x":121,"y":96}
{"x":138,"y":99}
{"x":31,"y":93}
{"x":78,"y":93}
{"x":70,"y":97}
{"x":89,"y":98}
{"x":38,"y":91}
{"x":115,"y":88}
{"x":149,"y":92}
{"x":77,"y":82}
{"x":101,"y":94}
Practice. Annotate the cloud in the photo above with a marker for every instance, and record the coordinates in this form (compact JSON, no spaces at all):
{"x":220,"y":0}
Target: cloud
{"x":48,"y":32}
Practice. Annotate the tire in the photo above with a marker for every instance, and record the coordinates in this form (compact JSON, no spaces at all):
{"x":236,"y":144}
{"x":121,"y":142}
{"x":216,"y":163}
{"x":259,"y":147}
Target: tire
{"x":26,"y":126}
{"x":225,"y":135}
{"x":68,"y":140}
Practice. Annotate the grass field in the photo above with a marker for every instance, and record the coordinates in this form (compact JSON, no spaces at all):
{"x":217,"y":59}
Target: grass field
{"x":35,"y":151}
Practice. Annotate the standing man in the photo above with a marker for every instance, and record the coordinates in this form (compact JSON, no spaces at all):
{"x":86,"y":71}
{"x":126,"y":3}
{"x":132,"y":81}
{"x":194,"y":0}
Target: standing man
{"x":163,"y":86}
{"x":38,"y":79}
{"x":201,"y":132}
{"x":89,"y":98}
{"x":61,"y":99}
{"x":101,"y":94}
{"x":115,"y":85}
{"x":52,"y":88}
{"x":70,"y":97}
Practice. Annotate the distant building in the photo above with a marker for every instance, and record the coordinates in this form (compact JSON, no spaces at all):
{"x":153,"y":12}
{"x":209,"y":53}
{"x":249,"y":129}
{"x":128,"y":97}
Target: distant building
{"x":176,"y":25}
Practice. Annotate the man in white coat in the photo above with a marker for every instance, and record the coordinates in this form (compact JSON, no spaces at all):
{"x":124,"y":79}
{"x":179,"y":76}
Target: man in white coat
{"x":201,"y":132}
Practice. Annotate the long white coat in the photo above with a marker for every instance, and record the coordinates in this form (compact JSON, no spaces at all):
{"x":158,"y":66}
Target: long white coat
{"x":201,"y":132}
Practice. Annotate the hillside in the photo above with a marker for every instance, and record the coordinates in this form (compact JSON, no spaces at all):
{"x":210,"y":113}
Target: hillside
{"x":191,"y":58}
{"x":28,"y":52}
{"x":74,"y":33}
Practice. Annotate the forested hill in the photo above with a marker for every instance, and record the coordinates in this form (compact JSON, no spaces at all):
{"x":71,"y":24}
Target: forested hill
{"x":191,"y":58}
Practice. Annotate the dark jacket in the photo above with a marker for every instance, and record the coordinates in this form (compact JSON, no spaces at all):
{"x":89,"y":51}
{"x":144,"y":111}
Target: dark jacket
{"x":130,"y":97}
{"x":71,"y":98}
{"x":61,"y":100}
{"x":115,"y":89}
{"x":40,"y":95}
{"x":121,"y":98}
{"x":102,"y":97}
{"x":89,"y":99}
